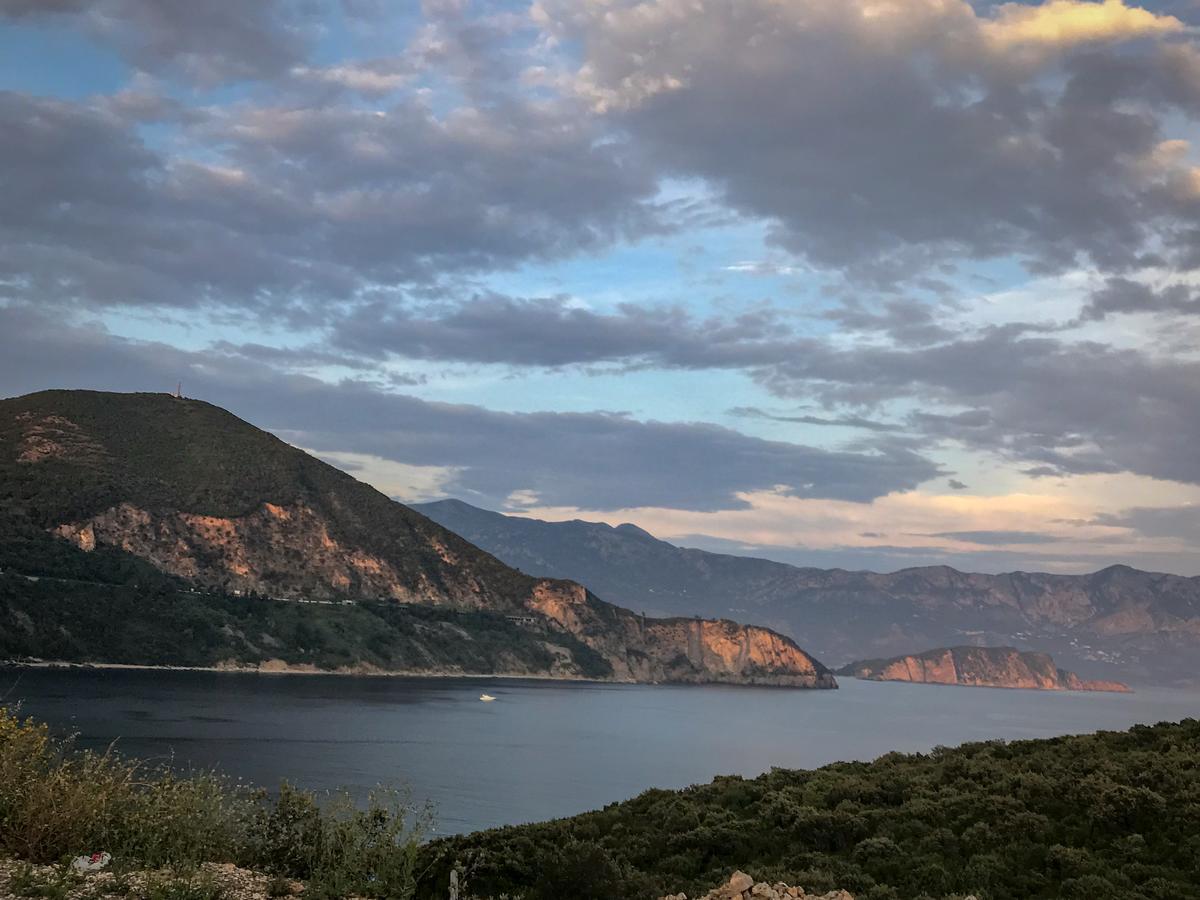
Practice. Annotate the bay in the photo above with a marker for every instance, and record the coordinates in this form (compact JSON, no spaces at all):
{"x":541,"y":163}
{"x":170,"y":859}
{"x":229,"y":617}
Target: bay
{"x":544,"y":749}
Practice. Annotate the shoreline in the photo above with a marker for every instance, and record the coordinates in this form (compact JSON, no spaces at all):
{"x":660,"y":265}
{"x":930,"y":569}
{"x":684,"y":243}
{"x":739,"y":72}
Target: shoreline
{"x":292,"y":670}
{"x":304,"y":669}
{"x":1000,"y":687}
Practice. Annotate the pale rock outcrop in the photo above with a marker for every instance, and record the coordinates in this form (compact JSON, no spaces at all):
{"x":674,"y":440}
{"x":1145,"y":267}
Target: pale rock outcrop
{"x":1005,"y":667}
{"x":742,"y":887}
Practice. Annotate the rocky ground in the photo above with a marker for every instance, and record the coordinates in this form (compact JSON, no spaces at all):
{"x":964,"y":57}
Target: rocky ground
{"x":211,"y":882}
{"x":742,"y":887}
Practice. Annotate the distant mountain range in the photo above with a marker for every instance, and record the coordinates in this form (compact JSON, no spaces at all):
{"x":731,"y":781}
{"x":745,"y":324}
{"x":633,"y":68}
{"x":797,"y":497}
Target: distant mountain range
{"x":1005,"y":667}
{"x":1118,"y":623}
{"x":150,"y":500}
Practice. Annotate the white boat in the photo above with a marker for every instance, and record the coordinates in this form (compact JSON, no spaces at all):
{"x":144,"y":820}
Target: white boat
{"x":486,"y":698}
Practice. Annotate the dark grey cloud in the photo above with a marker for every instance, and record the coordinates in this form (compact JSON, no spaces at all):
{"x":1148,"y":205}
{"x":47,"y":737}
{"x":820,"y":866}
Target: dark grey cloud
{"x":889,"y":143}
{"x":305,"y":208}
{"x":554,"y":331}
{"x":1065,"y":407}
{"x":847,"y":421}
{"x":955,"y":485}
{"x":1042,"y":472}
{"x":908,"y":322}
{"x":596,"y":460}
{"x":1182,"y":522}
{"x":1120,"y":295}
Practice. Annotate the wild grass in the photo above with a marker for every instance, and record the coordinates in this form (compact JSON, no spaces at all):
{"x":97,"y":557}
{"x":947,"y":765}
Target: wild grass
{"x":57,"y":802}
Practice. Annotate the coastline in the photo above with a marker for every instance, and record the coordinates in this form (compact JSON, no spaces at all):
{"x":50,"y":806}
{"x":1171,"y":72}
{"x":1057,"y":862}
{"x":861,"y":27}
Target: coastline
{"x":998,"y":687}
{"x":287,"y":669}
{"x":278,"y":667}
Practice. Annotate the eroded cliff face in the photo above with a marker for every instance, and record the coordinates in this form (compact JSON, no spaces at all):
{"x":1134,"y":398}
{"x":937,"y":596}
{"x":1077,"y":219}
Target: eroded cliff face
{"x":291,"y":552}
{"x":978,"y":667}
{"x":679,"y":650}
{"x":277,"y":550}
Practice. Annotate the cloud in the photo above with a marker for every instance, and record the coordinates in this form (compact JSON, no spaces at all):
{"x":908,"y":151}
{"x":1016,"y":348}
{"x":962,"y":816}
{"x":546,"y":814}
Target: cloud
{"x":753,"y":412}
{"x":1121,"y":295}
{"x":1181,"y":523}
{"x":762,"y":267}
{"x":886,"y":139}
{"x":593,"y":459}
{"x":556,"y":331}
{"x":295,"y":210}
{"x":208,"y":43}
{"x":1060,"y":24}
{"x":371,"y":78}
{"x":1000,"y":538}
{"x":1050,"y":404}
{"x":905,"y":321}
{"x":955,"y":485}
{"x":1068,"y":407}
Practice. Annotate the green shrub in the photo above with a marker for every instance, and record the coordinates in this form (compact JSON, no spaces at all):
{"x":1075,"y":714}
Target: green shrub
{"x":199,"y":887}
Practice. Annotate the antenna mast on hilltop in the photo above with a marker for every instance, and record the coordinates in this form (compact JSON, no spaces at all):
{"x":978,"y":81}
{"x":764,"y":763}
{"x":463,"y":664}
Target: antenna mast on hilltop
{"x":178,"y":395}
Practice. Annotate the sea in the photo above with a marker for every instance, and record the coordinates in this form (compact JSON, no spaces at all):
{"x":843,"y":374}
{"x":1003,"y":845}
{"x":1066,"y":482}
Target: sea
{"x":543,"y":749}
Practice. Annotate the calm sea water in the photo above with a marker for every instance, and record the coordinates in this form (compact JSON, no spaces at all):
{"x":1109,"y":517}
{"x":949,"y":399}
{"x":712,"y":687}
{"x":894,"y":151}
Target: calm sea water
{"x":543,"y":749}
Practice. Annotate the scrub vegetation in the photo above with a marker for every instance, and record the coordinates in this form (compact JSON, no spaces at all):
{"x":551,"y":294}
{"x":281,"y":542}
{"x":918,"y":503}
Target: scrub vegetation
{"x":57,"y":802}
{"x":1107,"y":816}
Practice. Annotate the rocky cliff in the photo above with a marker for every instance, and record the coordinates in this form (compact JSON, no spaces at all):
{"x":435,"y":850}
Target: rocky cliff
{"x":1004,"y":667}
{"x":203,"y":496}
{"x":1118,"y":622}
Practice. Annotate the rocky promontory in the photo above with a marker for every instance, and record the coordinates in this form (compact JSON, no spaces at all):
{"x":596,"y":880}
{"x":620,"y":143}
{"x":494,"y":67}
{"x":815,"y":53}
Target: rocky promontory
{"x":1005,"y":667}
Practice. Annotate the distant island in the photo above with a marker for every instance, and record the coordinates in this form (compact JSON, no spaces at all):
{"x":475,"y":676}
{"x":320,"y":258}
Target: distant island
{"x":150,"y":529}
{"x":1004,"y":667}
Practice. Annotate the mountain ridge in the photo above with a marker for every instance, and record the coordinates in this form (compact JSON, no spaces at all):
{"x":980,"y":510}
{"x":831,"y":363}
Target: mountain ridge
{"x":1118,"y":622}
{"x":204,"y":497}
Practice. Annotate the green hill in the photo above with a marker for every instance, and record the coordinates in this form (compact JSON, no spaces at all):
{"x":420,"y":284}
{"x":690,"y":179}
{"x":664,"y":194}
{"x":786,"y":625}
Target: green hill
{"x":131,"y":498}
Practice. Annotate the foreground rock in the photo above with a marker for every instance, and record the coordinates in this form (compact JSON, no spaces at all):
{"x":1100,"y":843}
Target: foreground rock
{"x":742,"y":887}
{"x":1005,"y":667}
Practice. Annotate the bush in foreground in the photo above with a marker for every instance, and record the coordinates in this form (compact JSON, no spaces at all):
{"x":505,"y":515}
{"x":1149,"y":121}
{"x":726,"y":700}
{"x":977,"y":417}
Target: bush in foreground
{"x":1107,"y":816}
{"x":57,"y":802}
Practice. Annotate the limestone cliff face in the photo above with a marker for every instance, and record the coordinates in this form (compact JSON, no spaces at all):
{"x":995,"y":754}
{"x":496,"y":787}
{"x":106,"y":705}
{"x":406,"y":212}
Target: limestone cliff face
{"x":679,"y":650}
{"x":978,"y":667}
{"x":282,"y":551}
{"x":289,"y":552}
{"x":209,"y":498}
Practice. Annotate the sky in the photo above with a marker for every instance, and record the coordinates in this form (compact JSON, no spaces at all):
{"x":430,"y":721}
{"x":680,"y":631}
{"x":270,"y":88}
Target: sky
{"x":857,"y":283}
